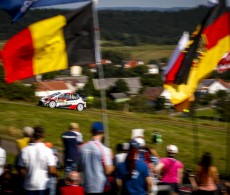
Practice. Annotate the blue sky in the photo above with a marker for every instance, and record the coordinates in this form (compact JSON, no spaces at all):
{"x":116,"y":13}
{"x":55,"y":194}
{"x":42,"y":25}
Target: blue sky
{"x":146,"y":3}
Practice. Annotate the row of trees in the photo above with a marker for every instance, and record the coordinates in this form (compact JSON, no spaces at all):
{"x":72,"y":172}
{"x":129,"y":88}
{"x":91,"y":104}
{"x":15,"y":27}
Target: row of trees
{"x":15,"y":91}
{"x":122,"y":27}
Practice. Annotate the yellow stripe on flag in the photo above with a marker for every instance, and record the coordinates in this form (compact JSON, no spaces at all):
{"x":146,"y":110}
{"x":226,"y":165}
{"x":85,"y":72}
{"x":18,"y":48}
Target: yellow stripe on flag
{"x":181,"y":93}
{"x":49,"y":45}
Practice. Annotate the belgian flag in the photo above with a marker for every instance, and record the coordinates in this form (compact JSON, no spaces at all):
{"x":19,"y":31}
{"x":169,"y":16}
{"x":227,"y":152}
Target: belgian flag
{"x":50,"y":45}
{"x":210,"y":42}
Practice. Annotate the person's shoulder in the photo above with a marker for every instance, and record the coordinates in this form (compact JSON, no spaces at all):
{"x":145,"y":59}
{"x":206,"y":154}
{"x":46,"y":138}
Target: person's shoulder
{"x":2,"y":152}
{"x":179,"y":162}
{"x":2,"y":149}
{"x":85,"y":145}
{"x":213,"y":168}
{"x":164,"y":159}
{"x":66,"y":133}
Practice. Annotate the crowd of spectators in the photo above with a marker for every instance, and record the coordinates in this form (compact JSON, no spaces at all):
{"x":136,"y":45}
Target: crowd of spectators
{"x":90,"y":167}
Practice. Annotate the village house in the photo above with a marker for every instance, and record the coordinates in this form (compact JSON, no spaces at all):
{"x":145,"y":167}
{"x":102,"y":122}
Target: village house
{"x":212,"y":86}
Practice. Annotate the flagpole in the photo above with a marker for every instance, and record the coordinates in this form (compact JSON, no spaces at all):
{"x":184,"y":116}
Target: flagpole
{"x":100,"y":73}
{"x":195,"y":132}
{"x":227,"y":169}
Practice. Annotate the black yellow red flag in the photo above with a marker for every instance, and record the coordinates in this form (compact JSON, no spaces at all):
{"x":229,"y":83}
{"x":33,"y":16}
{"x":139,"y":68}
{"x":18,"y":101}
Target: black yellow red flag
{"x":211,"y":41}
{"x":50,"y":45}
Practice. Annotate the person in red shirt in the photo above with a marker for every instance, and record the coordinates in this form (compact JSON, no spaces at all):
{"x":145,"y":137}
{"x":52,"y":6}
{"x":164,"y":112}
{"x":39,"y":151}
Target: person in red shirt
{"x":72,"y":186}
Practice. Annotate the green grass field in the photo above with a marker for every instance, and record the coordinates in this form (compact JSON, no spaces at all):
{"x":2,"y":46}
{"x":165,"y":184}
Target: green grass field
{"x":146,"y":52}
{"x":174,"y":129}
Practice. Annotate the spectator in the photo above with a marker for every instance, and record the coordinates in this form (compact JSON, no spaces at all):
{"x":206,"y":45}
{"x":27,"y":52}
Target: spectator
{"x":37,"y":160}
{"x":71,"y":139}
{"x":23,"y":142}
{"x":227,"y":188}
{"x":144,"y":151}
{"x":8,"y":182}
{"x":206,"y":176}
{"x":95,"y":161}
{"x":52,"y":184}
{"x":121,"y":153}
{"x":2,"y":159}
{"x":171,"y":169}
{"x":133,"y":175}
{"x":72,"y":186}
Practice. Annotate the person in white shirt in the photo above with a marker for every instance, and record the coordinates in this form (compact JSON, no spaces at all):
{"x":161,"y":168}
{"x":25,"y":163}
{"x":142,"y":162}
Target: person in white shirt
{"x":2,"y":159}
{"x":37,"y":160}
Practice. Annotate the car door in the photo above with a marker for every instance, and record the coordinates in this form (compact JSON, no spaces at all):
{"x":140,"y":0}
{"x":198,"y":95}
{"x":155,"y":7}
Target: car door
{"x":73,"y":100}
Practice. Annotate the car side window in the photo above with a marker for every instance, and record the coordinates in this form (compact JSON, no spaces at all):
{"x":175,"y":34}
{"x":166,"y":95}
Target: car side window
{"x":74,"y":97}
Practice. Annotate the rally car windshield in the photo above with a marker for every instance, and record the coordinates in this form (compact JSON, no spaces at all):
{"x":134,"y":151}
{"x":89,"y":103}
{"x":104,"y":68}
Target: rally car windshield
{"x":55,"y":94}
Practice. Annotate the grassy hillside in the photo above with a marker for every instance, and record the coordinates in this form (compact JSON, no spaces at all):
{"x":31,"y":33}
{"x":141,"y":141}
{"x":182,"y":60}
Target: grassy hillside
{"x":174,"y":130}
{"x":144,"y":52}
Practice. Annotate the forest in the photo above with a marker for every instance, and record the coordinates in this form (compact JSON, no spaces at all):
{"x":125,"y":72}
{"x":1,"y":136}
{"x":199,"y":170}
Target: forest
{"x":130,"y":28}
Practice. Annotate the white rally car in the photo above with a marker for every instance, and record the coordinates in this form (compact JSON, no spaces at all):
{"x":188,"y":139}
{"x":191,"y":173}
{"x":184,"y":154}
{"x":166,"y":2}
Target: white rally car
{"x":72,"y":101}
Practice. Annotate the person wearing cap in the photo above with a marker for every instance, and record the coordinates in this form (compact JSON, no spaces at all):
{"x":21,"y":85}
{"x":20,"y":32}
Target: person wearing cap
{"x":36,"y":162}
{"x":133,"y":175}
{"x":95,"y":161}
{"x":72,"y":185}
{"x":145,"y":152}
{"x":171,"y":169}
{"x":71,"y":139}
{"x":20,"y":144}
{"x":27,"y":134}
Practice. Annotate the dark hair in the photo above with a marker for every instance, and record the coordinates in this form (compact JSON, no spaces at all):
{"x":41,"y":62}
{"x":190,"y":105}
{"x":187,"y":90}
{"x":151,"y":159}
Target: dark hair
{"x":205,"y":163}
{"x":206,"y":160}
{"x":38,"y":132}
{"x":130,"y":159}
{"x":119,"y":147}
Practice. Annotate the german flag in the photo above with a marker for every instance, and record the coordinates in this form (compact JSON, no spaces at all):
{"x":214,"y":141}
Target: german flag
{"x":198,"y":42}
{"x":50,"y":45}
{"x":213,"y":43}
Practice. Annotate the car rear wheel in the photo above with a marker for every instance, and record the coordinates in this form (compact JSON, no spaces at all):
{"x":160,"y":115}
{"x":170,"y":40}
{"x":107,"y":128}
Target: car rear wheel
{"x":80,"y":107}
{"x":52,"y":104}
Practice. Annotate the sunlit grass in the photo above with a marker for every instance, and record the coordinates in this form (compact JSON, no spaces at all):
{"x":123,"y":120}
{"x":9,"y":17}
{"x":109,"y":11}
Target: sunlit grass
{"x":174,"y":130}
{"x":145,"y":52}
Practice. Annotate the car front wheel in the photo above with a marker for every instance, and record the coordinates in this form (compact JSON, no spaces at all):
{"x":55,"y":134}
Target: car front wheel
{"x":52,"y":104}
{"x":80,"y":107}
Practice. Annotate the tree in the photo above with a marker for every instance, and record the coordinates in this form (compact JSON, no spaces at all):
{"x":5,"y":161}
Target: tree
{"x":223,"y":105}
{"x":2,"y":82}
{"x":152,"y":80}
{"x":140,"y":70}
{"x":119,"y":87}
{"x":159,"y":103}
{"x":115,"y":56}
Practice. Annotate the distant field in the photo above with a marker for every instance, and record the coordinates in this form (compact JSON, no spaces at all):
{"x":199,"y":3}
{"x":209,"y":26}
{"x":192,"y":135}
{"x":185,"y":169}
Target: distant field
{"x":1,"y":44}
{"x":174,"y":129}
{"x":146,"y":52}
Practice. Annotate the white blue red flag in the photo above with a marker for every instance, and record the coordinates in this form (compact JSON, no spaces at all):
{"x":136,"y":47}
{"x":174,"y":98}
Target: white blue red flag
{"x":17,"y":8}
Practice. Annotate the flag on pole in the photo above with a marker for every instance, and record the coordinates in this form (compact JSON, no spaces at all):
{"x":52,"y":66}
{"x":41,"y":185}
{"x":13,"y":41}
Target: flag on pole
{"x":50,"y":45}
{"x":17,"y":8}
{"x":224,"y":63}
{"x":208,"y":48}
{"x":197,"y":47}
{"x":175,"y":60}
